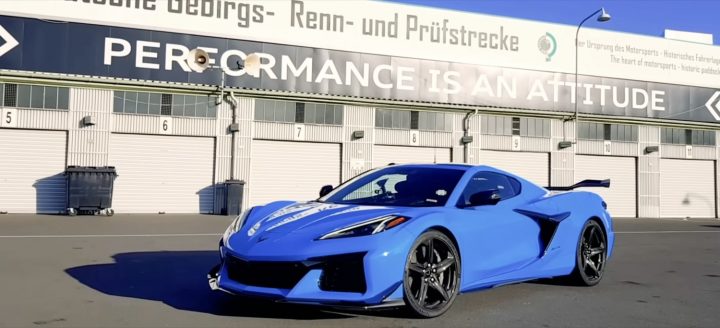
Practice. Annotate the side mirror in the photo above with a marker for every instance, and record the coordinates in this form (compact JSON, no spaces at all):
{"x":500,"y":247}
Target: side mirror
{"x":326,"y":189}
{"x":486,"y":197}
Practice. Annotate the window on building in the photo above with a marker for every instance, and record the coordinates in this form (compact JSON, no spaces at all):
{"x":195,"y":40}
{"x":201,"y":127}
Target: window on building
{"x":147,"y":103}
{"x":166,"y":104}
{"x":433,"y":121}
{"x":298,"y":112}
{"x":10,"y":95}
{"x":703,"y":137}
{"x":34,"y":96}
{"x":687,"y":137}
{"x":516,"y":126}
{"x":496,"y":125}
{"x":400,"y":119}
{"x":602,"y":131}
{"x":534,"y":127}
{"x":413,"y":120}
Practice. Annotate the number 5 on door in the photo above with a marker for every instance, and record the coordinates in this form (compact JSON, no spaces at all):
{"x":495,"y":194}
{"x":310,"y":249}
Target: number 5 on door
{"x":9,"y":118}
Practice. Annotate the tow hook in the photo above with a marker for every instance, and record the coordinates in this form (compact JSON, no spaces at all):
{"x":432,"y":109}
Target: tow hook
{"x":213,"y":276}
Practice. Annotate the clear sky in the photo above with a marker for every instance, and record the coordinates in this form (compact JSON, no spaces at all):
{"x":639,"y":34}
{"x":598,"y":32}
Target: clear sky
{"x":634,"y":16}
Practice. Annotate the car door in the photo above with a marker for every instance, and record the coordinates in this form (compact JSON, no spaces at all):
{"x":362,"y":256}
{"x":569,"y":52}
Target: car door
{"x":496,"y":239}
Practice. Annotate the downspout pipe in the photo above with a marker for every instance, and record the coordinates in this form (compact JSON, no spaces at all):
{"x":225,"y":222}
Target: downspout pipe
{"x":232,"y":99}
{"x":466,"y":133}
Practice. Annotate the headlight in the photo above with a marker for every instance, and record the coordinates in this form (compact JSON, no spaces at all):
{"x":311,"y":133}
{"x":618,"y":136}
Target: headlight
{"x":369,"y":227}
{"x":236,"y":224}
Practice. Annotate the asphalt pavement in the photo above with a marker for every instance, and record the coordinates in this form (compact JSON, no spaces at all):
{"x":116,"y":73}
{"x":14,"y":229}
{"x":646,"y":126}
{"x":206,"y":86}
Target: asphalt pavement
{"x":149,"y":271}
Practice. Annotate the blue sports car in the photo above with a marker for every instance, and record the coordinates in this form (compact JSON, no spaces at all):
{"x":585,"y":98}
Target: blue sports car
{"x":415,"y":236}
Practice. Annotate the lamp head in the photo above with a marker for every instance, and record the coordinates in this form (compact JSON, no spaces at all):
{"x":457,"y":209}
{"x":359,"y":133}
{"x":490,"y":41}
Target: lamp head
{"x":198,"y":60}
{"x":604,"y":16}
{"x":252,"y":65}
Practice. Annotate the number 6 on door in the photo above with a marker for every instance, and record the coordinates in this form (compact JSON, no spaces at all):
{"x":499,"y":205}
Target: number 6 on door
{"x":166,"y":126}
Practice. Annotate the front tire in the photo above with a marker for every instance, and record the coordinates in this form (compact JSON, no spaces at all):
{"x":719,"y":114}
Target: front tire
{"x":591,"y":255}
{"x":432,"y":275}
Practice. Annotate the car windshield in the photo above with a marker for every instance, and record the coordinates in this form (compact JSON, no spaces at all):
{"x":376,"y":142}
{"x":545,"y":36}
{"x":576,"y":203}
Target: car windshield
{"x":398,"y":186}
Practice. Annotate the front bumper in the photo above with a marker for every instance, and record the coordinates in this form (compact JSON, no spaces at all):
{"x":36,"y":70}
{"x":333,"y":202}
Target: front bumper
{"x":382,"y":285}
{"x":390,"y":302}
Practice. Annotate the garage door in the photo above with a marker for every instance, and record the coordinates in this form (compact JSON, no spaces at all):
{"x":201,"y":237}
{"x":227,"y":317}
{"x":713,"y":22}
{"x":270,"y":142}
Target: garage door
{"x":531,"y":166}
{"x":162,"y":173}
{"x":621,"y":197}
{"x":687,"y":188}
{"x":383,"y":155}
{"x":31,"y":171}
{"x":283,"y":170}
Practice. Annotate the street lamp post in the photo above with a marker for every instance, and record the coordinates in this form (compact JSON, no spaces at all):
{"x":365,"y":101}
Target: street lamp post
{"x":198,"y":60}
{"x":604,"y":17}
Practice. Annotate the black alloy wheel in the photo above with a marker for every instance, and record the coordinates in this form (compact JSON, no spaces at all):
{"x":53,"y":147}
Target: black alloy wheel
{"x":432,"y":275}
{"x":591,"y":255}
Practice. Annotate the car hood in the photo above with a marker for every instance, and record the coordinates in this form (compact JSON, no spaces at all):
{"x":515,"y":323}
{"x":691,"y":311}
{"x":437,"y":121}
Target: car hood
{"x":311,"y":219}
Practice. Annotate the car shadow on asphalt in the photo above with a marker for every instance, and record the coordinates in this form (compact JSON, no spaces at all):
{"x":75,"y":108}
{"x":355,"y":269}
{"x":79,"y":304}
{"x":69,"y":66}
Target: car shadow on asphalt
{"x":178,"y":279}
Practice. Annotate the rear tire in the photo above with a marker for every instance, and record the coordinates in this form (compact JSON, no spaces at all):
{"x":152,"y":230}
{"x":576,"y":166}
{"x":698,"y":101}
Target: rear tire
{"x":432,"y":275}
{"x":590,"y":256}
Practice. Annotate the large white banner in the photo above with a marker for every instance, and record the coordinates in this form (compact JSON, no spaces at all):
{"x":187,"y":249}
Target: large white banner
{"x":401,"y":30}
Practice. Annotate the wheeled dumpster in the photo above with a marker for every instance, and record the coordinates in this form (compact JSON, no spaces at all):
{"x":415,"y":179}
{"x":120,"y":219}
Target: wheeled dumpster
{"x":90,"y":189}
{"x":234,"y":190}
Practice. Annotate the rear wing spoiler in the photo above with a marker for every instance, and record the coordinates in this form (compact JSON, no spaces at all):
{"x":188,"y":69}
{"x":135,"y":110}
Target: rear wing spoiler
{"x":585,"y":183}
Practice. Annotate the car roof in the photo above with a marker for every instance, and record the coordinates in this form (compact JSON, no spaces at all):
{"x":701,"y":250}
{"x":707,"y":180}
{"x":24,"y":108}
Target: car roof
{"x":473,"y":169}
{"x":456,"y":166}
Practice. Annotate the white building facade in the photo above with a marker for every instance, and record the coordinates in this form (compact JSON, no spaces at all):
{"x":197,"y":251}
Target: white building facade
{"x":344,"y":87}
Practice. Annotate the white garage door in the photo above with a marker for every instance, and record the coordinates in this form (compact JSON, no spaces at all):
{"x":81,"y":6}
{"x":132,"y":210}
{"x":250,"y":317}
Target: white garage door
{"x":531,"y":166}
{"x":687,"y":188}
{"x":283,"y":170}
{"x":162,"y":174}
{"x":621,"y":197}
{"x":31,"y":171}
{"x":384,"y":155}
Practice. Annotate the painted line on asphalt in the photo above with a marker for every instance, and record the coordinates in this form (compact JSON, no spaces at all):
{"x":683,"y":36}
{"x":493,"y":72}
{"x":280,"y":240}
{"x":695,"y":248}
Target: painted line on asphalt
{"x":217,"y":234}
{"x":666,"y":231}
{"x":115,"y":236}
